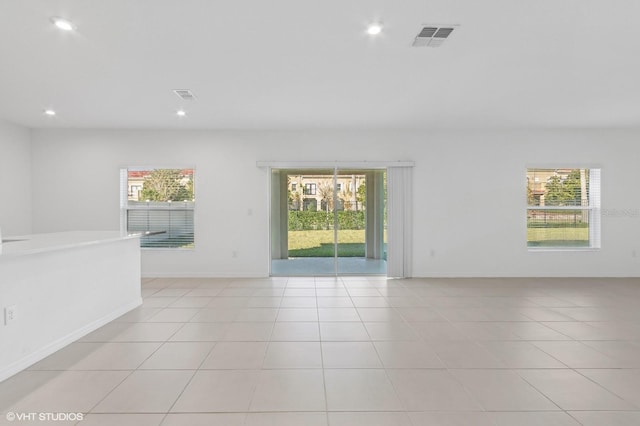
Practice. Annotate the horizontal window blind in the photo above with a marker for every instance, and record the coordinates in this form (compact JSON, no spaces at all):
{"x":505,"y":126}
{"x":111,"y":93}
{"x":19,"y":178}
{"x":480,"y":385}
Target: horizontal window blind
{"x":159,"y":205}
{"x":563,"y":208}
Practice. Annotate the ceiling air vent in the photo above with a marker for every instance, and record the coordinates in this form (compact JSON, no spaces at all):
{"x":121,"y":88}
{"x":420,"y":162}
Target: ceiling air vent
{"x":185,"y":94}
{"x":433,"y":35}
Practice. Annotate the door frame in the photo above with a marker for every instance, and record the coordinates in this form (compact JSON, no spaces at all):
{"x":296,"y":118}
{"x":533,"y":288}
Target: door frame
{"x":399,"y":215}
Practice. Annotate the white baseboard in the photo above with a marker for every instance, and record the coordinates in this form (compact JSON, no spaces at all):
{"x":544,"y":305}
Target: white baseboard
{"x":201,"y":275}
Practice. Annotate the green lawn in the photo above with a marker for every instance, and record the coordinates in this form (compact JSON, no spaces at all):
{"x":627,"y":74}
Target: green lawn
{"x":558,"y":237}
{"x":320,"y":243}
{"x":351,"y":242}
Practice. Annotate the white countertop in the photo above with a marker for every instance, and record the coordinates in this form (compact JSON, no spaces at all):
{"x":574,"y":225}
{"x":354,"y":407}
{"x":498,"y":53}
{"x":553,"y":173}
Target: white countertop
{"x":21,"y":245}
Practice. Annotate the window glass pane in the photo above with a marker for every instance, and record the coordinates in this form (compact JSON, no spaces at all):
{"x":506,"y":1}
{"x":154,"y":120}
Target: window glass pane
{"x":560,"y":210}
{"x":160,"y":205}
{"x":557,"y":228}
{"x":558,"y":187}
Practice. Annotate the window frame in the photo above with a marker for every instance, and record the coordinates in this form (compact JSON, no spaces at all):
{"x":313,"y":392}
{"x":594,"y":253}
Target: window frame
{"x":593,"y":209}
{"x":310,"y":188}
{"x":171,"y":205}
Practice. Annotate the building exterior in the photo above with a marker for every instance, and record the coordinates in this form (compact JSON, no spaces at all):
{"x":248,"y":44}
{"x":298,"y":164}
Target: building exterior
{"x":315,"y":192}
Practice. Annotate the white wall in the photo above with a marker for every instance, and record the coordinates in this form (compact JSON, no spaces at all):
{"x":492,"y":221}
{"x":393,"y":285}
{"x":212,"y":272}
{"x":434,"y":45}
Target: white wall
{"x":469,"y":187}
{"x":15,"y":179}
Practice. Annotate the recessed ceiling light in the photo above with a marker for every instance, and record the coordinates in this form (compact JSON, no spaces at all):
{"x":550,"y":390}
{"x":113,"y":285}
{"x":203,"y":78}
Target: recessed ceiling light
{"x":63,"y":24}
{"x":374,"y":29}
{"x":181,"y":113}
{"x":49,"y":112}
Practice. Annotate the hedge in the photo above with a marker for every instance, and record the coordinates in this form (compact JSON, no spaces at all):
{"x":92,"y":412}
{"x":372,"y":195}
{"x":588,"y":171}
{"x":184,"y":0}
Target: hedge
{"x":309,"y":220}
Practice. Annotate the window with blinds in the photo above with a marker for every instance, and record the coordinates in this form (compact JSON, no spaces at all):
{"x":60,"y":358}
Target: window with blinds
{"x":563,"y":208}
{"x":159,"y":205}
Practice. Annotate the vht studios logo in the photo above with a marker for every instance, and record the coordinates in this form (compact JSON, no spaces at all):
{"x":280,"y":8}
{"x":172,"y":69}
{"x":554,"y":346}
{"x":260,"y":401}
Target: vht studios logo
{"x":44,"y":417}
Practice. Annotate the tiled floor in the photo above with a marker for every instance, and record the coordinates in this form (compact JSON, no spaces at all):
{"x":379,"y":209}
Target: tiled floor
{"x":352,"y":351}
{"x":319,"y":266}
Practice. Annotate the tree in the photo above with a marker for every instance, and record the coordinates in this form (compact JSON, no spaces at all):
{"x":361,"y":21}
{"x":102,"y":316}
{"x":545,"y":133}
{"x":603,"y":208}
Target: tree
{"x":530,"y":197}
{"x":555,"y":194}
{"x":188,"y":187}
{"x":325,"y":191}
{"x":295,"y":199}
{"x":346,"y":196}
{"x":361,"y":195}
{"x":572,"y":186}
{"x":566,"y":192}
{"x":167,"y":185}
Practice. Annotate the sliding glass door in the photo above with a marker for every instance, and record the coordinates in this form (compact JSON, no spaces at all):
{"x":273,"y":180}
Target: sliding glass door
{"x":328,"y":222}
{"x":360,"y":222}
{"x":310,"y":222}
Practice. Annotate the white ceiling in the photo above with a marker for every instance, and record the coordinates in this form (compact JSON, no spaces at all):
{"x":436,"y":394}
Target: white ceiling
{"x":284,"y":64}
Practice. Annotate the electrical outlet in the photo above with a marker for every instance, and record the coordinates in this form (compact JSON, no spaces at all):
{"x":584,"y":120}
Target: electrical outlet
{"x":9,"y":314}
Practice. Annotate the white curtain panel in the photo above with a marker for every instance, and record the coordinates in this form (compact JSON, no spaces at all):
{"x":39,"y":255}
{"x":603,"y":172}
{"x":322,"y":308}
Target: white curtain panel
{"x":399,"y":221}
